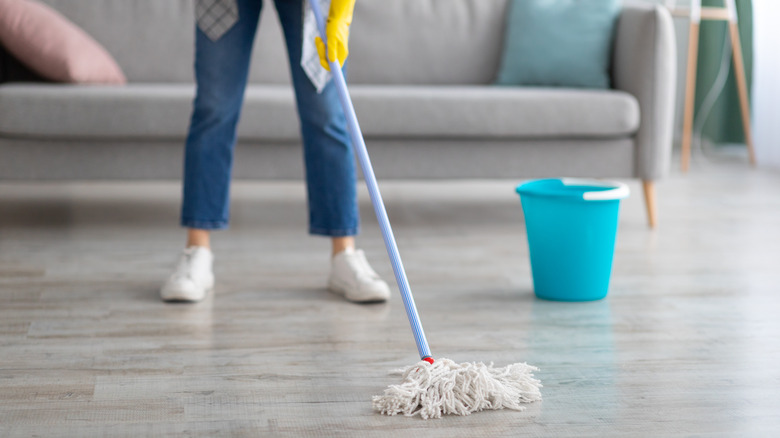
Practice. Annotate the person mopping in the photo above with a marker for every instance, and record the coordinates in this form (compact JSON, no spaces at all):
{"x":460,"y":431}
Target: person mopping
{"x":225,"y":33}
{"x":223,"y":49}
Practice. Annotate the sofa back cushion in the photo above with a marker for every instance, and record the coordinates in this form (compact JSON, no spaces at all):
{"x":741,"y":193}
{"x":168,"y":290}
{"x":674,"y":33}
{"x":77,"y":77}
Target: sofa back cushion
{"x":427,"y":41}
{"x":392,"y":41}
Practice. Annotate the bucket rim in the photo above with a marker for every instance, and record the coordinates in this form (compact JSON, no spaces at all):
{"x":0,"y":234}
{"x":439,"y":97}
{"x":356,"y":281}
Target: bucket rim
{"x":609,"y":190}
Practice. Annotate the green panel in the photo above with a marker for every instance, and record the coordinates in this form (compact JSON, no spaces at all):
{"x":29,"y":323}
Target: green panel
{"x":724,"y":123}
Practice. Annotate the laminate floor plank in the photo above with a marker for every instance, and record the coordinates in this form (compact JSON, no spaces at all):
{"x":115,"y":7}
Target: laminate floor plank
{"x":686,"y":344}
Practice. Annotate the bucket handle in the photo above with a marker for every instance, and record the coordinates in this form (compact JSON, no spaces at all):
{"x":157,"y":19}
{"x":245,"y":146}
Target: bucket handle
{"x":619,"y":190}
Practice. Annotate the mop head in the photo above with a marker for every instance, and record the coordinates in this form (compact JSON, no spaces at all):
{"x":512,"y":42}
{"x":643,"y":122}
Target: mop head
{"x":445,"y":387}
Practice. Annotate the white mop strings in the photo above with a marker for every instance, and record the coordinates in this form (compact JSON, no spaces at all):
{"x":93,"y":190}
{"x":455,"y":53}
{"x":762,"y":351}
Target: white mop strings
{"x":445,"y":387}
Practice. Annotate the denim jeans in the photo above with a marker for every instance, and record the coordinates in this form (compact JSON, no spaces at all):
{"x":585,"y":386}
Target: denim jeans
{"x":221,"y":71}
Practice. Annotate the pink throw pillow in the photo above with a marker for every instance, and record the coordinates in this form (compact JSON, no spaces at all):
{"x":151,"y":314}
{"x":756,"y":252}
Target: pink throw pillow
{"x":54,"y":47}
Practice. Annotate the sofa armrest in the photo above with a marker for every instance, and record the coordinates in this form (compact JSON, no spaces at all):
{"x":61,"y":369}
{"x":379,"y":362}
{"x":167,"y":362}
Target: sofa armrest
{"x":644,"y":64}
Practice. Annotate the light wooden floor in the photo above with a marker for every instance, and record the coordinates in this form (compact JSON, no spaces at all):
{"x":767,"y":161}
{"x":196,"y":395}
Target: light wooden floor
{"x":686,"y":344}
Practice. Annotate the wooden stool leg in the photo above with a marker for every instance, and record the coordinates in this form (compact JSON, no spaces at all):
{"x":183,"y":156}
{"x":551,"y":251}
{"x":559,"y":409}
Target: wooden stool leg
{"x":650,"y":202}
{"x":690,"y":93}
{"x":739,"y":74}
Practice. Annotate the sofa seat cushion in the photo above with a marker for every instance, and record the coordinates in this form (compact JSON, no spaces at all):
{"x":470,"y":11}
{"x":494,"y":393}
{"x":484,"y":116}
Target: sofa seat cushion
{"x":161,"y":111}
{"x":134,"y":111}
{"x":494,"y":112}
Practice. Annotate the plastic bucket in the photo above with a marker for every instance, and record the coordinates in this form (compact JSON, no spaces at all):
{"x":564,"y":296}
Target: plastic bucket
{"x":571,"y":225}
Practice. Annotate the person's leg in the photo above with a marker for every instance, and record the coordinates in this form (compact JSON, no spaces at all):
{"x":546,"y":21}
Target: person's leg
{"x":330,"y":170}
{"x":198,"y":237}
{"x":221,"y":71}
{"x":340,"y":244}
{"x":329,"y":160}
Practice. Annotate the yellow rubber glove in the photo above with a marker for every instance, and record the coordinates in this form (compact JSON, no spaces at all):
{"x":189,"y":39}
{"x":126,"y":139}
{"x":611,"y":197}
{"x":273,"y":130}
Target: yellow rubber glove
{"x":337,"y":31}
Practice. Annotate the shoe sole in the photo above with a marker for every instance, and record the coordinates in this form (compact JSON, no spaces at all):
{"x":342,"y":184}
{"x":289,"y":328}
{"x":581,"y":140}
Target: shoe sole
{"x":338,"y":290}
{"x":182,"y":298}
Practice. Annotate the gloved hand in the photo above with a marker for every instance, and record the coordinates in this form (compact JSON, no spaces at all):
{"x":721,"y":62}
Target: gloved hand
{"x":337,"y":31}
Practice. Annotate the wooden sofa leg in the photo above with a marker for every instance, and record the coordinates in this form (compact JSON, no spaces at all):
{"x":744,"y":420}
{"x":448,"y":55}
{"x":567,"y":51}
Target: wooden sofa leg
{"x":652,"y":213}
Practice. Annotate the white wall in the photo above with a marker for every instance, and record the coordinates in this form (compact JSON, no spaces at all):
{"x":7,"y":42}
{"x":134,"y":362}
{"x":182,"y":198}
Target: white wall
{"x":766,"y":82}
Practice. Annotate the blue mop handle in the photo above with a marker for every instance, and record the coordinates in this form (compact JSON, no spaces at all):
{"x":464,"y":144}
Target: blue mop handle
{"x":373,"y":191}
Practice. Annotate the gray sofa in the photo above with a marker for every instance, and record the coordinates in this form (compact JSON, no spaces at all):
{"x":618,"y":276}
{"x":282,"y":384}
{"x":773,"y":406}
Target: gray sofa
{"x":420,"y":74}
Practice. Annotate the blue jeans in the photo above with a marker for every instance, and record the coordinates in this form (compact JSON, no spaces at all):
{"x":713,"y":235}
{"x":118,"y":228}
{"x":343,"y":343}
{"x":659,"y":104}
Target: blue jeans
{"x":221,"y":71}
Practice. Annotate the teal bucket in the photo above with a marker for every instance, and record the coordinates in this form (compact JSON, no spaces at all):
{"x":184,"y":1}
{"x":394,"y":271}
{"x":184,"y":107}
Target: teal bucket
{"x":571,"y":225}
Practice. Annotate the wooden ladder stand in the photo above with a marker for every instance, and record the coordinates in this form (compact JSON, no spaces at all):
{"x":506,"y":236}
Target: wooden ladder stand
{"x":726,"y":13}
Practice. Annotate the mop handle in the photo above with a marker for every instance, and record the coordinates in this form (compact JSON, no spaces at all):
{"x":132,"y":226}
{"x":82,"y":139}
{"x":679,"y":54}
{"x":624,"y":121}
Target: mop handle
{"x":373,"y":191}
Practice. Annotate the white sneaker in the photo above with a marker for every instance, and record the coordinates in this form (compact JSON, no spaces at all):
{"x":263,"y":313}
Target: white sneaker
{"x":352,"y":276}
{"x":192,"y":278}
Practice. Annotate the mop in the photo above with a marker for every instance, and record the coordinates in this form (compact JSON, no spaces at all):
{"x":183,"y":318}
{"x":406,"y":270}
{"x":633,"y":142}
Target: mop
{"x":431,"y":388}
